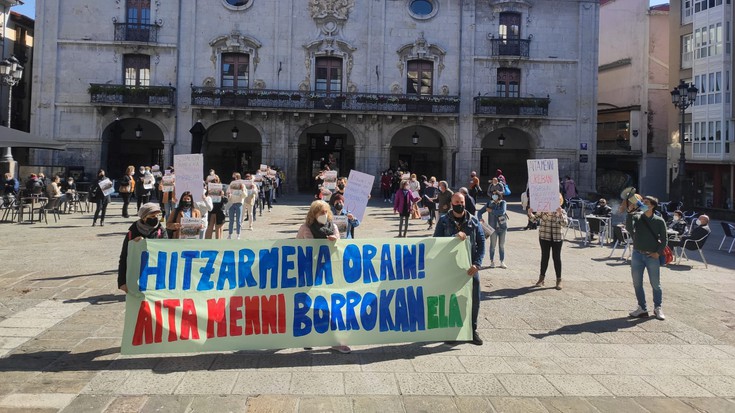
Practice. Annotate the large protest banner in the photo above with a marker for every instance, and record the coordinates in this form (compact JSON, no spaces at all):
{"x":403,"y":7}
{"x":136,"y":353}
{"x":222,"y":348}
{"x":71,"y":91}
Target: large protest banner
{"x":357,"y":193}
{"x":206,"y":295}
{"x":189,"y":175}
{"x":543,"y":184}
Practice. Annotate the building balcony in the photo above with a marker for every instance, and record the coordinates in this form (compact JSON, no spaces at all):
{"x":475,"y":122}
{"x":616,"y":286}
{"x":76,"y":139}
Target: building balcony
{"x":510,"y":47}
{"x":122,"y":95}
{"x":295,"y":100}
{"x":507,"y":106}
{"x":136,"y":32}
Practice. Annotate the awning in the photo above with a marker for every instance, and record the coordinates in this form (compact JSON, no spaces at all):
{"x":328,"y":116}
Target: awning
{"x":18,"y":139}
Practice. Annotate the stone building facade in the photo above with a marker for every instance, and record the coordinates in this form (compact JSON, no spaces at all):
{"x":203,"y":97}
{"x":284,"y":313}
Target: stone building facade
{"x":447,"y":87}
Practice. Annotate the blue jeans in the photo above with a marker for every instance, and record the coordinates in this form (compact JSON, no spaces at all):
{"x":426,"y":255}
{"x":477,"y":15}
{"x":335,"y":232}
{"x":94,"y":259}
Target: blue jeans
{"x":235,"y":216}
{"x":639,"y":262}
{"x":498,"y":237}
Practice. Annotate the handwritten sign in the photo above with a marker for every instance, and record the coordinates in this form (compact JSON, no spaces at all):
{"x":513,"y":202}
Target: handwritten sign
{"x":357,"y":193}
{"x":189,"y":174}
{"x":543,"y":184}
{"x":212,"y":295}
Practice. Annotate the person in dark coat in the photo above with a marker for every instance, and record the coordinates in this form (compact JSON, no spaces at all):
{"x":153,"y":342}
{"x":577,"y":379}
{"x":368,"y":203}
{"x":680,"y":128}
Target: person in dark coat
{"x":149,"y":227}
{"x":97,"y":195}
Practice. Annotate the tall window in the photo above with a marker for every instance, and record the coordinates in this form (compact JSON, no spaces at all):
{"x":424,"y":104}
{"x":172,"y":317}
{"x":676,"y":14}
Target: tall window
{"x":235,"y":70}
{"x":137,"y":69}
{"x":138,"y":20}
{"x":687,"y":47}
{"x":420,"y":77}
{"x":328,"y":75}
{"x":509,"y":83}
{"x":510,"y":25}
{"x":686,"y":11}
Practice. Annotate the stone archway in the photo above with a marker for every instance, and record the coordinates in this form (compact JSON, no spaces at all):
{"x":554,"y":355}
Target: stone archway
{"x":121,"y":145}
{"x":510,"y":158}
{"x":226,"y":155}
{"x":425,"y":157}
{"x":315,"y":150}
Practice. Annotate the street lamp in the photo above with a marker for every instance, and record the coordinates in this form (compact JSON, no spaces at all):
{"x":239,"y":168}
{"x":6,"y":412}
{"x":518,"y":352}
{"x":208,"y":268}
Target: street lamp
{"x":10,"y":74}
{"x":139,"y":132}
{"x":235,"y":132}
{"x":501,"y":140}
{"x":327,"y":137}
{"x":682,"y":97}
{"x":415,"y":138}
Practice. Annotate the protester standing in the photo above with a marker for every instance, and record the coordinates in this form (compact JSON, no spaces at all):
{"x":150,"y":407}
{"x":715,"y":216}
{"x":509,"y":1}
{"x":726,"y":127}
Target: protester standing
{"x":235,"y":195}
{"x":402,"y":205}
{"x":99,"y":198}
{"x":498,"y":220}
{"x":126,"y":184}
{"x":550,"y":239}
{"x":147,"y":226}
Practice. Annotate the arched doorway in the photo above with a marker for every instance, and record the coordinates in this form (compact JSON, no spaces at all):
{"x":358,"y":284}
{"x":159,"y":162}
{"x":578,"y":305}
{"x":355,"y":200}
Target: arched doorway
{"x":132,"y":141}
{"x":226,"y":153}
{"x":510,"y":157}
{"x":320,"y":144}
{"x":420,"y":149}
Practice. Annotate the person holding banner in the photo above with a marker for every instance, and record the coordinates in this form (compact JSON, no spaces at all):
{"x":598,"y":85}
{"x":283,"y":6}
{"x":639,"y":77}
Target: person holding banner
{"x":346,"y":222}
{"x":98,"y":196}
{"x":459,"y":223}
{"x":147,"y":226}
{"x":319,"y":224}
{"x":550,"y":238}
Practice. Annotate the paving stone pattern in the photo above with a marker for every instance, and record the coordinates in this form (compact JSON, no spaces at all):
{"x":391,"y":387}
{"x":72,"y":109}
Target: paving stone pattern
{"x":545,"y":350}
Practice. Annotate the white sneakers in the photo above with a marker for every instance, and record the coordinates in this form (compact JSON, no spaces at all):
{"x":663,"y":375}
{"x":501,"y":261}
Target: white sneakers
{"x":492,"y":264}
{"x":238,"y":236}
{"x":639,"y":312}
{"x":659,"y":313}
{"x":502,"y":265}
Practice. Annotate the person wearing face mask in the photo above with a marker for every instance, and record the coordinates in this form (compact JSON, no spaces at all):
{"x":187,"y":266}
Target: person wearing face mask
{"x":550,"y":238}
{"x":236,"y":193}
{"x":677,"y":223}
{"x":142,"y":195}
{"x":184,"y":209}
{"x":701,"y":229}
{"x":147,"y":226}
{"x":126,"y":184}
{"x":498,"y":220}
{"x":649,"y":240}
{"x":459,"y":223}
{"x":339,"y":210}
{"x":402,"y":204}
{"x":101,"y":200}
{"x":319,"y":224}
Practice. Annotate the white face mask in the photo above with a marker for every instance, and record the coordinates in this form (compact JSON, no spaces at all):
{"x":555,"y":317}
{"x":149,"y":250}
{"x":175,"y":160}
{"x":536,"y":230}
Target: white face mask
{"x":495,"y":197}
{"x":322,"y":219}
{"x":699,"y":222}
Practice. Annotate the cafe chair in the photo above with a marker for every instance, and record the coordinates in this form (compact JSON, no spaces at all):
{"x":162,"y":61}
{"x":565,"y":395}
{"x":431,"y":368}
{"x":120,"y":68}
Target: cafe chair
{"x":621,"y":237}
{"x":729,"y":230}
{"x":51,"y":206}
{"x":574,"y":224}
{"x":693,"y":245}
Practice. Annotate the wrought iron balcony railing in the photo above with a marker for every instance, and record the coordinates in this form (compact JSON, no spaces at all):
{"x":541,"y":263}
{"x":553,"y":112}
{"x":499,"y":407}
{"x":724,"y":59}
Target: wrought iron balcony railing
{"x":297,"y":100}
{"x":492,"y":105}
{"x":104,"y":94}
{"x":136,"y":32}
{"x":510,"y":47}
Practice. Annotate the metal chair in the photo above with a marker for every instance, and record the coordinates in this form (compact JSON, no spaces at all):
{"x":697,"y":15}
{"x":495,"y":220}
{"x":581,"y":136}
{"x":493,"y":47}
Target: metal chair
{"x":729,"y":230}
{"x":621,"y":236}
{"x":8,"y":207}
{"x":693,"y":245}
{"x":574,"y":224}
{"x":51,"y":206}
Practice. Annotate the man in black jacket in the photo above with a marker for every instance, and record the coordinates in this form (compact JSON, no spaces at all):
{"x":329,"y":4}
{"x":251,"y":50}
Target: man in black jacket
{"x":602,"y":209}
{"x":700,"y":231}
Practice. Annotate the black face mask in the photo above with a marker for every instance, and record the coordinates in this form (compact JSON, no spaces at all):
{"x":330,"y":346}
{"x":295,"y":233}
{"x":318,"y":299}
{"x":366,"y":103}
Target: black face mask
{"x":341,"y":186}
{"x":338,"y":207}
{"x":459,"y":208}
{"x":186,"y":204}
{"x":151,"y":221}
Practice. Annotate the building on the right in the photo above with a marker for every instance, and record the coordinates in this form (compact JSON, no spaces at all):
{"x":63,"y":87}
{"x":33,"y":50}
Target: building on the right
{"x":700,"y":52}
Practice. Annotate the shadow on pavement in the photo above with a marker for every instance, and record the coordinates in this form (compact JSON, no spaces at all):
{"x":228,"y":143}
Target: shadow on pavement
{"x":66,"y":277}
{"x":96,"y":360}
{"x":113,"y":234}
{"x":597,"y":326}
{"x":512,"y":292}
{"x":99,"y":299}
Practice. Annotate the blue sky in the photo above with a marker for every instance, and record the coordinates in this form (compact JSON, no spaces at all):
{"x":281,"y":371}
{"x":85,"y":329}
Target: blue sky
{"x":29,"y":7}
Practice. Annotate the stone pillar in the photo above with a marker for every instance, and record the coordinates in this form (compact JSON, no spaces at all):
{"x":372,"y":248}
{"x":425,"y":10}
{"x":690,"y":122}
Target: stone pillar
{"x":292,"y":166}
{"x":449,"y":166}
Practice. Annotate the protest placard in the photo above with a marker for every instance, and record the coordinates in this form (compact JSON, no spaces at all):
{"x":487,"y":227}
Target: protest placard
{"x":215,"y":295}
{"x":168,"y":182}
{"x":149,"y":181}
{"x":106,"y":186}
{"x":543,"y":184}
{"x":357,"y":193}
{"x":341,"y":222}
{"x":215,"y":191}
{"x":330,"y":180}
{"x":190,"y":228}
{"x":189,"y":174}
